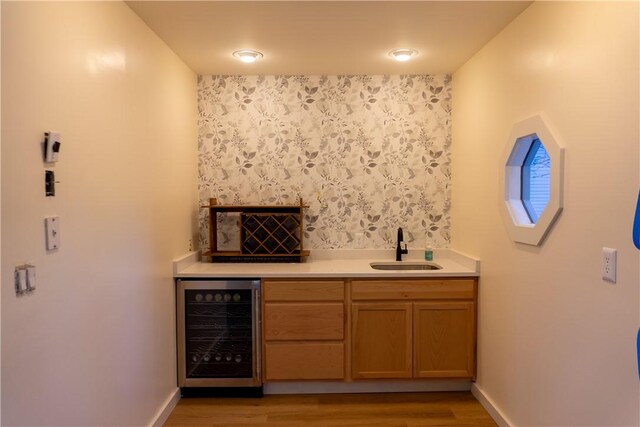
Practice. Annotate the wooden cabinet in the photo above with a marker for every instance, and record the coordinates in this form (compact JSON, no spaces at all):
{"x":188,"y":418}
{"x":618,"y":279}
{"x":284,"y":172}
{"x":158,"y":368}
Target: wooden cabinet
{"x":369,"y":329}
{"x":304,"y":329}
{"x":426,"y":330}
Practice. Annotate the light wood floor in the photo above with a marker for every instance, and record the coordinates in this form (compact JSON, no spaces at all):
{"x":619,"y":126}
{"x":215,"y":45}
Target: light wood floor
{"x":334,"y":410}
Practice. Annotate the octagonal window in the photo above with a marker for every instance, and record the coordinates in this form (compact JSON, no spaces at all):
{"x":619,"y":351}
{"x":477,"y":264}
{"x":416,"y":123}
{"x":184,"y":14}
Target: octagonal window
{"x":534,"y":162}
{"x":536,"y":180}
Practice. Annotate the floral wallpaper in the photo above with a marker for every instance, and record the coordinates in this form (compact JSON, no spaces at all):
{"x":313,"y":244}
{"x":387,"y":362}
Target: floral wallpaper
{"x":369,"y":154}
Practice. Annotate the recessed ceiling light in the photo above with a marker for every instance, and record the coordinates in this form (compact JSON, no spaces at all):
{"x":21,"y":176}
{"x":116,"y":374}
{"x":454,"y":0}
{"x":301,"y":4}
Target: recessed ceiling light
{"x":403,"y":54}
{"x":247,"y":56}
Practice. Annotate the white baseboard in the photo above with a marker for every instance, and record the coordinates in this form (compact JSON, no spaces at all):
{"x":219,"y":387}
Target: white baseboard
{"x":490,"y":406}
{"x":165,"y":410}
{"x":322,"y":387}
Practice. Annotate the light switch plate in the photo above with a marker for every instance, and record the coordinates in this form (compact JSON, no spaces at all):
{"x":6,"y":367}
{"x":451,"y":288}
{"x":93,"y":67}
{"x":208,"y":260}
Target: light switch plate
{"x":20,"y":280}
{"x":31,"y":278}
{"x":52,"y":227}
{"x":609,"y":260}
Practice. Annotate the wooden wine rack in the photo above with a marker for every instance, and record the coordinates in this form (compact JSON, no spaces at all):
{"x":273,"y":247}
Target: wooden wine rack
{"x":267,"y":233}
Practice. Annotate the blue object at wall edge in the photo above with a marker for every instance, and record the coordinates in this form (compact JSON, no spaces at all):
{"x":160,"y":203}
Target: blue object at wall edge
{"x":636,"y":241}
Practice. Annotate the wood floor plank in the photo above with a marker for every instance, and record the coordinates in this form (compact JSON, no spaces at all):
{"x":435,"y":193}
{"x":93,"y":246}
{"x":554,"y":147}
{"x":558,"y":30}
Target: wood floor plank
{"x":370,"y":412}
{"x":324,"y":423}
{"x":334,"y":410}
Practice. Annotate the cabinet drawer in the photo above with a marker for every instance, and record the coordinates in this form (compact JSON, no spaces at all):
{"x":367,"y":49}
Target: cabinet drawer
{"x":304,"y":361}
{"x":307,"y":290}
{"x":303,"y":321}
{"x":412,"y":289}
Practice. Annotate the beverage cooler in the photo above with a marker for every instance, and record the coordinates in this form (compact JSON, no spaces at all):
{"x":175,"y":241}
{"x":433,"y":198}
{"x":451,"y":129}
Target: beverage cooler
{"x":218,"y":333}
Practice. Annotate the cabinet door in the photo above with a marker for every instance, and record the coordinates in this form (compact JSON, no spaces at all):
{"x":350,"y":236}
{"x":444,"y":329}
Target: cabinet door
{"x":381,"y":340}
{"x":444,"y":340}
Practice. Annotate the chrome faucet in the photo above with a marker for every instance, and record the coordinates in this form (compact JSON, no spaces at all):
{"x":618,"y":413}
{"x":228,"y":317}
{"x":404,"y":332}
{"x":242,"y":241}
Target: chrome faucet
{"x":399,"y":250}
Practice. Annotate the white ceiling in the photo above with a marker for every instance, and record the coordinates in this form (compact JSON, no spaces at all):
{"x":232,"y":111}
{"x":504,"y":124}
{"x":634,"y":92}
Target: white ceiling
{"x":326,"y":37}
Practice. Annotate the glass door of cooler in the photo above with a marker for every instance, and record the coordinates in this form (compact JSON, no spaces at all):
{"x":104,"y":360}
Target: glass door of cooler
{"x":218,"y":333}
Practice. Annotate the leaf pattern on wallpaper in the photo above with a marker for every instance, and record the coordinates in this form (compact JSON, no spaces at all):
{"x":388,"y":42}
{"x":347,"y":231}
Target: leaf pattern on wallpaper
{"x":369,"y":154}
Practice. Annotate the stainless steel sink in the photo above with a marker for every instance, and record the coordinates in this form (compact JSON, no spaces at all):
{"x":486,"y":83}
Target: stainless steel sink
{"x":404,"y":265}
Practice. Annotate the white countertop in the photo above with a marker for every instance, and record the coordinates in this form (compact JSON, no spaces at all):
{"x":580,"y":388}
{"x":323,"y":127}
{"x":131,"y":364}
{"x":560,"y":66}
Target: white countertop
{"x":331,"y":263}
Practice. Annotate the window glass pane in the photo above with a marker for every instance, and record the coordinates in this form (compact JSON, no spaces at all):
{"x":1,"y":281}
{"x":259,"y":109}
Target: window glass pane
{"x":536,"y":180}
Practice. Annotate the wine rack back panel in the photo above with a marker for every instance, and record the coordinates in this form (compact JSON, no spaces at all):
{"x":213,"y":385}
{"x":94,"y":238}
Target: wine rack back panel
{"x":270,"y":233}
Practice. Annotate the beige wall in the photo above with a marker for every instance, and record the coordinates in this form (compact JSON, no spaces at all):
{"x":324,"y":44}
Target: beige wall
{"x":94,"y":344}
{"x":556,"y":343}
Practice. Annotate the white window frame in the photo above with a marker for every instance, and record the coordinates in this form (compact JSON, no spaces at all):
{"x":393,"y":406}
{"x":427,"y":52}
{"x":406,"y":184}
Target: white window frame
{"x":516,"y":219}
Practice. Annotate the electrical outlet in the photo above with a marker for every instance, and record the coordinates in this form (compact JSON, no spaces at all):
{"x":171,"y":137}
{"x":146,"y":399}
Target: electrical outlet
{"x":360,"y":240}
{"x":609,"y":259}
